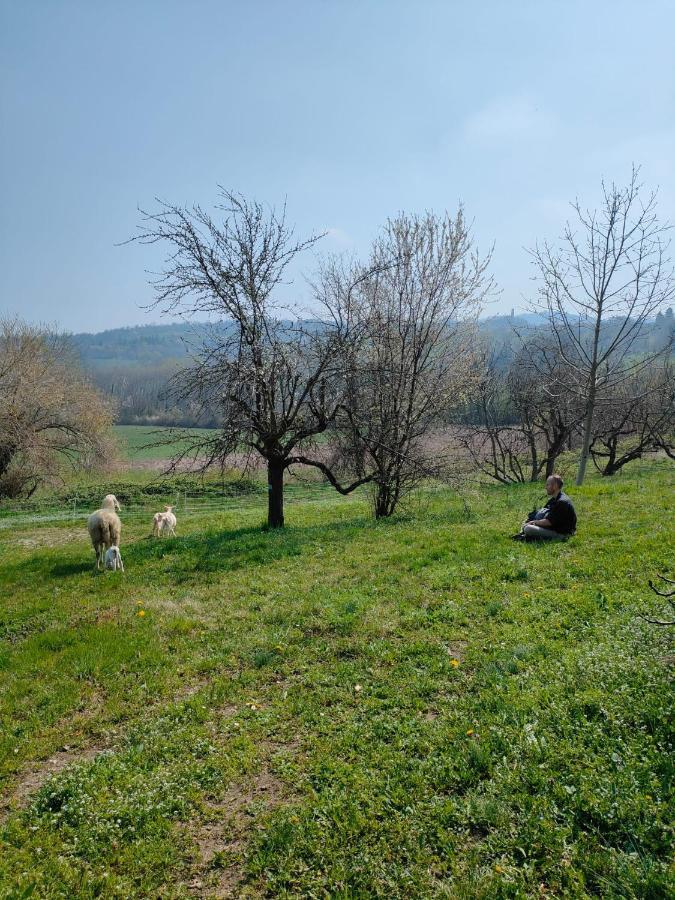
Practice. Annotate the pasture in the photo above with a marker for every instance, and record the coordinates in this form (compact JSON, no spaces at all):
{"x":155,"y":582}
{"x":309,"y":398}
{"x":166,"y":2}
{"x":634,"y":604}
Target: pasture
{"x":346,"y":708}
{"x":136,"y":443}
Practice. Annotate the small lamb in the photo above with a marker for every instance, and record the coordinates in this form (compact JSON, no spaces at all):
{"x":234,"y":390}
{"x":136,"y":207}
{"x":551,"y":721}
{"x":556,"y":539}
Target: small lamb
{"x":113,"y":559}
{"x":157,"y":523}
{"x":164,"y":521}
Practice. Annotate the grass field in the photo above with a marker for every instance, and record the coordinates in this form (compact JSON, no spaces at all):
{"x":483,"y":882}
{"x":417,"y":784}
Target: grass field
{"x":139,"y":443}
{"x":134,"y":440}
{"x":412,"y":708}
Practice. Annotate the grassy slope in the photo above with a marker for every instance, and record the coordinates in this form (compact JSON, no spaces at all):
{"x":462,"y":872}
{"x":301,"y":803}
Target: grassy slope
{"x":510,"y":736}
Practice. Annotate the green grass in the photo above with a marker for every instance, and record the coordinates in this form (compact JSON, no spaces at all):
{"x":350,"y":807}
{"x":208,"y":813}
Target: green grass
{"x":134,"y":440}
{"x":410,"y":708}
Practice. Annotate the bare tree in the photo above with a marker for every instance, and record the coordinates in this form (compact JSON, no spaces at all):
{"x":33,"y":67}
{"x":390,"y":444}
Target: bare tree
{"x":274,"y":380}
{"x":50,"y":415}
{"x":548,"y":414}
{"x":413,"y":311}
{"x":490,"y":435}
{"x":518,"y":421}
{"x":599,"y":289}
{"x":640,"y":420}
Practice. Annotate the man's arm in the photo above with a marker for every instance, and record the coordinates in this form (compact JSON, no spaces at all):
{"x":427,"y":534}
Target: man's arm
{"x":542,"y":523}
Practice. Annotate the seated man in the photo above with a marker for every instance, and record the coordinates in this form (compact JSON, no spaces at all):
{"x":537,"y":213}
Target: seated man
{"x":554,"y":522}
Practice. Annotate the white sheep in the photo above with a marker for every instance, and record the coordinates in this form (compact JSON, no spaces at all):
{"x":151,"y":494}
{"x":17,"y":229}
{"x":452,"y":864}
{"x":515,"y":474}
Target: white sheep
{"x":104,"y":527}
{"x":164,"y":521}
{"x":113,"y":559}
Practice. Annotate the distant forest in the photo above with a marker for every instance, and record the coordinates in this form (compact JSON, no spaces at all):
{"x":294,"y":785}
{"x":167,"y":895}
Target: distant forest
{"x":134,"y":365}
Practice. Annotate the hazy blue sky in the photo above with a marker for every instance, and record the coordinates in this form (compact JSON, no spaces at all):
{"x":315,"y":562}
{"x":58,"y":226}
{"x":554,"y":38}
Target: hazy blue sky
{"x":351,"y":110}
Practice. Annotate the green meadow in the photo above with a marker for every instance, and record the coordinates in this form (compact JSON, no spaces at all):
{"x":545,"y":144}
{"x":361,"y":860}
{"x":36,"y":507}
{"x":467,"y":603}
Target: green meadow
{"x":141,"y":443}
{"x":417,"y":707}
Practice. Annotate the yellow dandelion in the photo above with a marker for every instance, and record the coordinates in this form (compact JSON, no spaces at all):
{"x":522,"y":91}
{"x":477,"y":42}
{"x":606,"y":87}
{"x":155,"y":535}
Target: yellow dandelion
{"x":141,"y":612}
{"x":454,"y":663}
{"x":499,"y":870}
{"x":469,"y":732}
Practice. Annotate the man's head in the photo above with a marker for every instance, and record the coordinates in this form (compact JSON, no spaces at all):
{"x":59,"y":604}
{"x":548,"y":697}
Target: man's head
{"x":554,"y":485}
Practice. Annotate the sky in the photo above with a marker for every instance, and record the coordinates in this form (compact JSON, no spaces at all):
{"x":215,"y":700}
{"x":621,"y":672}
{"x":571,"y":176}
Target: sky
{"x":351,"y":111}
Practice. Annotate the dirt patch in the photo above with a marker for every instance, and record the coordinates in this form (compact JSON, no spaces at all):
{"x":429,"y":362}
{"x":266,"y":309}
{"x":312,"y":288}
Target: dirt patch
{"x":455,"y":650}
{"x":237,"y":461}
{"x":160,"y":465}
{"x":49,"y":537}
{"x":60,"y":760}
{"x":189,"y":690}
{"x":221,"y":841}
{"x":31,"y":781}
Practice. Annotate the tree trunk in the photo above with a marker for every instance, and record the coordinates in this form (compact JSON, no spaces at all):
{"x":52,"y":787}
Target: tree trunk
{"x":616,"y":464}
{"x":534,"y":474}
{"x":384,"y":502}
{"x":275,"y":493}
{"x":610,"y":465}
{"x":6,"y":457}
{"x":554,"y":449}
{"x":588,"y":431}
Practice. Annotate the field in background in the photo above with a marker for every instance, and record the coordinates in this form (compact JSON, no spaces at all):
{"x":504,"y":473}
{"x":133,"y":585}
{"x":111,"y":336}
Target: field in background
{"x":410,"y":708}
{"x":133,"y":441}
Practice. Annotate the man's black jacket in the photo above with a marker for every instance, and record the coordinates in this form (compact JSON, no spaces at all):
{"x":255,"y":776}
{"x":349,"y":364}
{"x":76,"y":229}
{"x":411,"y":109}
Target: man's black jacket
{"x":561,"y":514}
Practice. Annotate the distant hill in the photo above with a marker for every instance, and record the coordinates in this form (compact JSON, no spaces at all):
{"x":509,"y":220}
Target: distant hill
{"x":134,"y":364}
{"x":138,"y":345}
{"x":134,"y":344}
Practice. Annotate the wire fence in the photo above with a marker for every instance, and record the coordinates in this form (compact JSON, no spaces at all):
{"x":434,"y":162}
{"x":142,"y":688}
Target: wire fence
{"x":185,"y":506}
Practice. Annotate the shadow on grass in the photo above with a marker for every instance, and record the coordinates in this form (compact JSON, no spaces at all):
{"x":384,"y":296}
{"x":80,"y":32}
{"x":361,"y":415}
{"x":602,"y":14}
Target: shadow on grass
{"x":194,"y":555}
{"x":64,"y":569}
{"x":38,"y":566}
{"x":232,"y":549}
{"x":251,"y":546}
